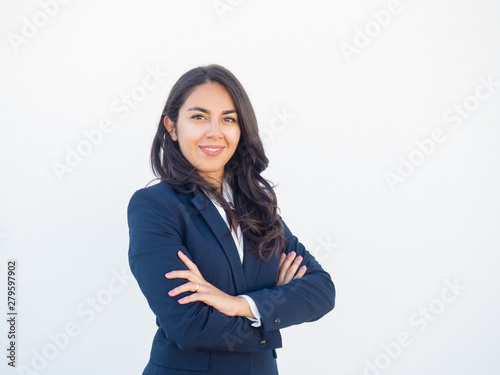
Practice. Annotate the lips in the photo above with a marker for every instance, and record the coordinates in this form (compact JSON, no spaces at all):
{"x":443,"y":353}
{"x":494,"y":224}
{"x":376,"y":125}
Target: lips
{"x":212,"y":150}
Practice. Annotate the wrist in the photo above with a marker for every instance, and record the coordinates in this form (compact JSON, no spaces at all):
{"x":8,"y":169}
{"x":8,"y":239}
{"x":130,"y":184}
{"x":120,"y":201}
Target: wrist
{"x":242,"y":308}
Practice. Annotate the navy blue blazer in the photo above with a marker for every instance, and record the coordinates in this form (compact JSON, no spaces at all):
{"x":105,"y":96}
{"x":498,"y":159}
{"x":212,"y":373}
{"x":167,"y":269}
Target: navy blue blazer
{"x":196,"y":338}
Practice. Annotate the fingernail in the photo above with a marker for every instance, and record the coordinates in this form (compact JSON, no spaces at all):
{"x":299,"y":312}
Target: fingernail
{"x":282,"y":255}
{"x":167,"y":275}
{"x":170,"y":292}
{"x":292,"y":253}
{"x":303,"y":267}
{"x":181,"y":300}
{"x":299,"y":257}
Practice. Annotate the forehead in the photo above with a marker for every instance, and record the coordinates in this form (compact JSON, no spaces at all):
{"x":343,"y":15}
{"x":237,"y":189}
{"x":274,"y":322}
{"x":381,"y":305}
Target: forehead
{"x":209,"y":95}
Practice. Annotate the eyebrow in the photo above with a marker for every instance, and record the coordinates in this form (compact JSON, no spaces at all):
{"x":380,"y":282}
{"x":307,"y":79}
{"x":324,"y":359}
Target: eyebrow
{"x":226,"y":112}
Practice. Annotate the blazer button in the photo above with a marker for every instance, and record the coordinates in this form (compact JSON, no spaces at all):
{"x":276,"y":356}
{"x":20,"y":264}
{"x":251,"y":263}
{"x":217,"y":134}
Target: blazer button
{"x":277,"y":321}
{"x":262,"y":343}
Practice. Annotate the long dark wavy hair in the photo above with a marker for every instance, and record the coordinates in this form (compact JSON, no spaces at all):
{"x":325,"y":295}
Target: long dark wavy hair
{"x":255,"y":203}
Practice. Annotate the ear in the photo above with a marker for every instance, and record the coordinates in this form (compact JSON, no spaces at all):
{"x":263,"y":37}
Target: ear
{"x":170,"y":126}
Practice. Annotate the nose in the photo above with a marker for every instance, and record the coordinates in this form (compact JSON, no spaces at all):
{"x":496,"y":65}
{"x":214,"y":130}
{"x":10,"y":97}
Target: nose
{"x":214,"y":129}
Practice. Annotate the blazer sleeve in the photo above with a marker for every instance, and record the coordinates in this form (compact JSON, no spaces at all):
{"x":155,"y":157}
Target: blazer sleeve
{"x":155,"y":229}
{"x":301,"y":300}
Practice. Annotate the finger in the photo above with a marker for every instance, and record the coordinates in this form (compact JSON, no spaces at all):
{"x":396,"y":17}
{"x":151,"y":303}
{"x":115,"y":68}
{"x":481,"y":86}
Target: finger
{"x":301,"y":272}
{"x":191,"y":298}
{"x":284,"y":267}
{"x":282,"y":259}
{"x":292,"y":270}
{"x":184,"y":288}
{"x":202,"y":295}
{"x":181,"y":274}
{"x":189,"y":263}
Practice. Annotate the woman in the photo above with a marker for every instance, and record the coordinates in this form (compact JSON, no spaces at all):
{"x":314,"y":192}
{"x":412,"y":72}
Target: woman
{"x":220,"y":269}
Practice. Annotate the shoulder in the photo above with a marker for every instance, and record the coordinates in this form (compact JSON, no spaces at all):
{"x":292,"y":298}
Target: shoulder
{"x":161,"y":190}
{"x":159,"y":197}
{"x":287,"y":231}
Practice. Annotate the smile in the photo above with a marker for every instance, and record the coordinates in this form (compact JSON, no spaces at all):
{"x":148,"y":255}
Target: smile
{"x":212,"y":151}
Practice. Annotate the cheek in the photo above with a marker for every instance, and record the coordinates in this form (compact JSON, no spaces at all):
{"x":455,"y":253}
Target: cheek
{"x":236,"y":137}
{"x":188,"y":148}
{"x":187,"y":140}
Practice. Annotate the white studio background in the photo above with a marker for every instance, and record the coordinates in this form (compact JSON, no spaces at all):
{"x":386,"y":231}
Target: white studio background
{"x":381,"y":122}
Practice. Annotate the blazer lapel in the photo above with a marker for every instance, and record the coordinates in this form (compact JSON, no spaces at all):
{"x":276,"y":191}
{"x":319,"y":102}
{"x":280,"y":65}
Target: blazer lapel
{"x":221,"y":232}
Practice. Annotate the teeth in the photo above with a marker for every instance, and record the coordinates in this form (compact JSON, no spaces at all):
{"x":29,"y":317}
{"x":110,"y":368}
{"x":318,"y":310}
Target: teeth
{"x":212,"y":149}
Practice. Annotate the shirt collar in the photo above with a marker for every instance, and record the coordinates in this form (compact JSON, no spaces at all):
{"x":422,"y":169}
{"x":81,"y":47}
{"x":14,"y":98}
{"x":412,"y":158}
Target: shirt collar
{"x":227,"y":193}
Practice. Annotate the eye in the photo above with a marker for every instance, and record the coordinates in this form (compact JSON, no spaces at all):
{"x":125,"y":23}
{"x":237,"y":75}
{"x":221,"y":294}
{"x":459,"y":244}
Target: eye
{"x":229,"y":119}
{"x":198,"y":117}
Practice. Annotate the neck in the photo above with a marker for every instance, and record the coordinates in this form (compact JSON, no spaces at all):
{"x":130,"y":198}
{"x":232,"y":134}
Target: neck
{"x":217,"y":182}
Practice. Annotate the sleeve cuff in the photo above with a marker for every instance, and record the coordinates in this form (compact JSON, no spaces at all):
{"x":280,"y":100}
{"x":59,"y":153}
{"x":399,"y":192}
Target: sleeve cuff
{"x":255,"y":311}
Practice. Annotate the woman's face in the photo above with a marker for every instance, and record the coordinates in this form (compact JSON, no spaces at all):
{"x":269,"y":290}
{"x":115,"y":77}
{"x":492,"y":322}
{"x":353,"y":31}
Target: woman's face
{"x":207,"y":130}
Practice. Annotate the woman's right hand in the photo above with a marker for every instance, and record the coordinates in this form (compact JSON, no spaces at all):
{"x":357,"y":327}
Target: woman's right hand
{"x":289,"y":268}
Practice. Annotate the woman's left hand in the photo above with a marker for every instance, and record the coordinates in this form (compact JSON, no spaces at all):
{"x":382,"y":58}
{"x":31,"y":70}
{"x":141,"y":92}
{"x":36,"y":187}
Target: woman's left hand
{"x":289,"y":268}
{"x":205,"y":292}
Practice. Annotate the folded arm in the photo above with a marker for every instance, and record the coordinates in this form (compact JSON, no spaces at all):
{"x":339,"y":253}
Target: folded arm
{"x":207,"y":323}
{"x":155,"y":241}
{"x":304,"y":299}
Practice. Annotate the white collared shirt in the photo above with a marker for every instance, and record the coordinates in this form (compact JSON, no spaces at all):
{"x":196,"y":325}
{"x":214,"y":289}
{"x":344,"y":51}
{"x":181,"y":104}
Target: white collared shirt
{"x":238,"y":241}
